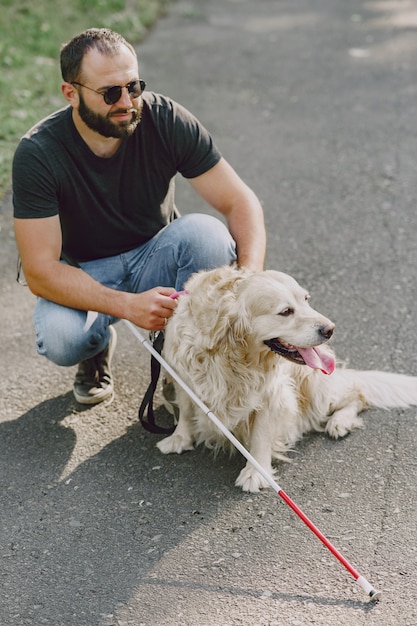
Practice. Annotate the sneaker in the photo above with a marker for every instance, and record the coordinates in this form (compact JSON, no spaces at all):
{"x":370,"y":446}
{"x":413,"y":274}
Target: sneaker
{"x":93,"y":380}
{"x":169,"y":397}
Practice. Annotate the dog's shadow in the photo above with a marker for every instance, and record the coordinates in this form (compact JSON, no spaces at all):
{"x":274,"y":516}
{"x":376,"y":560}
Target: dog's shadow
{"x":83,"y":543}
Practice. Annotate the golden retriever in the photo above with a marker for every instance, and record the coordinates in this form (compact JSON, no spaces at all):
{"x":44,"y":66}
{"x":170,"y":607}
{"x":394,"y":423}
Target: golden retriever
{"x":252,"y":349}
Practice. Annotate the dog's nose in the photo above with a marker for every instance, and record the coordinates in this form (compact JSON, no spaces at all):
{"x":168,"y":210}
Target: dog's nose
{"x":326,"y":331}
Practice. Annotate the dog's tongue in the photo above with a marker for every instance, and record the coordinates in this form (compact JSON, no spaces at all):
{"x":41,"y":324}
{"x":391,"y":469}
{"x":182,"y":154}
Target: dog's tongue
{"x":318,"y":359}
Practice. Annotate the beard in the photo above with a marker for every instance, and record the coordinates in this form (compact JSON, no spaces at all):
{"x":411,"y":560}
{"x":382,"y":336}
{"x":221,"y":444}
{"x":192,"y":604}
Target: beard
{"x":105,"y":126}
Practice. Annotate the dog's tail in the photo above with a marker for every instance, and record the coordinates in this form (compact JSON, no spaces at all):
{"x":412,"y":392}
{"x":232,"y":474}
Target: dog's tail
{"x":386,"y":390}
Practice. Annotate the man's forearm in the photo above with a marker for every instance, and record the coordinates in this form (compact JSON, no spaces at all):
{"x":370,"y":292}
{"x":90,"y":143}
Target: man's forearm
{"x":247,"y":227}
{"x":74,"y":288}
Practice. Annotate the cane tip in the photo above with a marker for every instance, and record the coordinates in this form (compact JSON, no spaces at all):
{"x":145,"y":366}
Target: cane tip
{"x":375,"y":595}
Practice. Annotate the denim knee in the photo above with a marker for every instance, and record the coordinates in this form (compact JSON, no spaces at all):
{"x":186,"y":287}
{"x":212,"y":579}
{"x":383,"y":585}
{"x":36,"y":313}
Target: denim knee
{"x":60,"y":334}
{"x":205,"y":245}
{"x":191,"y":243}
{"x":206,"y":240}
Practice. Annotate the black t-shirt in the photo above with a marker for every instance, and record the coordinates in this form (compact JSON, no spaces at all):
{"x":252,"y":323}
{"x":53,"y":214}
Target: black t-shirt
{"x":109,"y":206}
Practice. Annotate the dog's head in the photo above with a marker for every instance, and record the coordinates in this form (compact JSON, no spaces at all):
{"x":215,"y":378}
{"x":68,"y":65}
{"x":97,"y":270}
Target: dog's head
{"x":282,"y":319}
{"x":233,"y":309}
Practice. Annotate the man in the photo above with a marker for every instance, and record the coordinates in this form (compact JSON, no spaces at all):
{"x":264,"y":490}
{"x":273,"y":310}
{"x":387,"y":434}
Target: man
{"x":93,"y":202}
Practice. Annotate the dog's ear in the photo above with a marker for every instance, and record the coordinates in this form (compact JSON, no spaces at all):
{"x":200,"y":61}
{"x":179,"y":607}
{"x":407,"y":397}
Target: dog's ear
{"x":217,"y":314}
{"x":239,"y":318}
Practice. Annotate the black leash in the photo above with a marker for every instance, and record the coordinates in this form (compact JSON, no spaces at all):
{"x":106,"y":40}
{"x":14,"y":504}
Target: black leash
{"x":148,"y":421}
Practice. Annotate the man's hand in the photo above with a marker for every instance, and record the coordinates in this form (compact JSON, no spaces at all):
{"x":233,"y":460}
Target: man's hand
{"x":151,"y":309}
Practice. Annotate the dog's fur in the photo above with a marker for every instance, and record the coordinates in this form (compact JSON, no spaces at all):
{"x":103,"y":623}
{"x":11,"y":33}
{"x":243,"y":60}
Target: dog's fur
{"x":216,"y":343}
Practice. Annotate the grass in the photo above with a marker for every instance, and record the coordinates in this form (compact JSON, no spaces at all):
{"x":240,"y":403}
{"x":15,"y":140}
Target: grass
{"x":31,"y":34}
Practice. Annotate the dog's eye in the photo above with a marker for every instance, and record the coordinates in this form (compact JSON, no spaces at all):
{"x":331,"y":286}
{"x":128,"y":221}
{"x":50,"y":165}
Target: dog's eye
{"x":286,"y":312}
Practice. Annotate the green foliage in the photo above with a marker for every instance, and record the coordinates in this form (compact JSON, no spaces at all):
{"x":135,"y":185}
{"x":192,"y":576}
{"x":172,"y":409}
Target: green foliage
{"x":31,"y":35}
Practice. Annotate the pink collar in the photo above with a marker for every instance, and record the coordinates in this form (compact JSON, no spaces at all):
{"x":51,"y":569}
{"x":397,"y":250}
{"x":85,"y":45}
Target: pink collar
{"x":175,"y":295}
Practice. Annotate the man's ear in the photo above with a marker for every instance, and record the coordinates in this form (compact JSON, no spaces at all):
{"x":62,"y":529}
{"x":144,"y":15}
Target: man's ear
{"x":70,"y":93}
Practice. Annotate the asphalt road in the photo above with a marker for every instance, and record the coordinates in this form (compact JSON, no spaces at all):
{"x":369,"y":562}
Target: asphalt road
{"x":314,"y":103}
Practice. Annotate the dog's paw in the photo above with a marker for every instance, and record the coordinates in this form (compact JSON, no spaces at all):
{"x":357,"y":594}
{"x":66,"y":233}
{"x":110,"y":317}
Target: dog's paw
{"x":175,"y":443}
{"x":251,"y":480}
{"x":342,"y":423}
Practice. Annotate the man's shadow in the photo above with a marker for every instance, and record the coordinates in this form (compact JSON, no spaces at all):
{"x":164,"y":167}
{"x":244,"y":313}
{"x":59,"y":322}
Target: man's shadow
{"x":75,"y":548}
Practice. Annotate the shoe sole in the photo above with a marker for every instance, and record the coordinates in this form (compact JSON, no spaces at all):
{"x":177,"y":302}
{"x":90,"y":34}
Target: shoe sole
{"x":96,"y":399}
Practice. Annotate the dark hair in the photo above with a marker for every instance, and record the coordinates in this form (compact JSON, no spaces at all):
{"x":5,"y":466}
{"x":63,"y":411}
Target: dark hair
{"x":106,"y":41}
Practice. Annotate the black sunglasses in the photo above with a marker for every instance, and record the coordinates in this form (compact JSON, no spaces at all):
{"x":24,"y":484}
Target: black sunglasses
{"x":113,"y":94}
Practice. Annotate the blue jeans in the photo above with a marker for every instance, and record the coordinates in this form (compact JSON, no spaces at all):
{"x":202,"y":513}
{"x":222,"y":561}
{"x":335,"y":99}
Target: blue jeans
{"x":188,"y":244}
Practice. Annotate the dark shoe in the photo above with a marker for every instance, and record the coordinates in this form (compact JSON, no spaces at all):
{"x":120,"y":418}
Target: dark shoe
{"x":93,"y":380}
